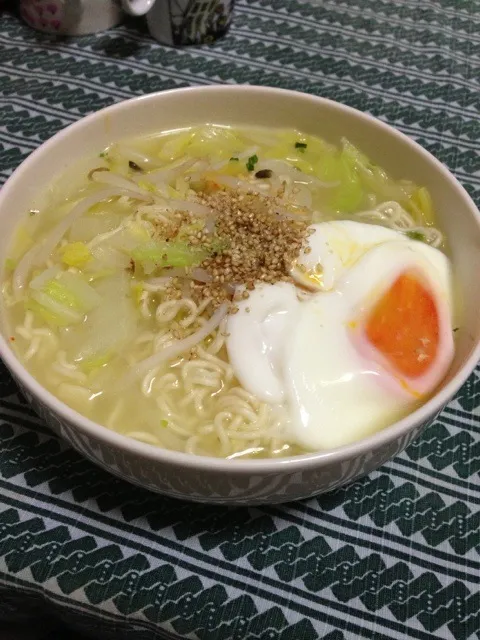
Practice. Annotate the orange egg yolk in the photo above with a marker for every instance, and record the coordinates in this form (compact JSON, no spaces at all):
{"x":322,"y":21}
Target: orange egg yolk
{"x":404,"y":326}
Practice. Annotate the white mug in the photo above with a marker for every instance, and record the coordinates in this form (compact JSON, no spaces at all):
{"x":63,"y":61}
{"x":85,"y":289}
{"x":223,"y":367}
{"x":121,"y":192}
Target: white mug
{"x":184,"y":22}
{"x":71,"y":17}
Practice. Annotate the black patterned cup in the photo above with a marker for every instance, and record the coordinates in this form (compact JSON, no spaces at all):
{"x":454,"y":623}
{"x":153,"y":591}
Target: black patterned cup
{"x":184,"y":22}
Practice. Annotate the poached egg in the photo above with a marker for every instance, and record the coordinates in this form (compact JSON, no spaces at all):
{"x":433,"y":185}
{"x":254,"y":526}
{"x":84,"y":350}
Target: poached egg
{"x":367,"y":344}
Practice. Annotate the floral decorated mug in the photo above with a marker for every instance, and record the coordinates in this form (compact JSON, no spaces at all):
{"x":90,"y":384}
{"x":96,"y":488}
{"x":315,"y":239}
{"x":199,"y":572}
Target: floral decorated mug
{"x":184,"y":22}
{"x":70,"y":17}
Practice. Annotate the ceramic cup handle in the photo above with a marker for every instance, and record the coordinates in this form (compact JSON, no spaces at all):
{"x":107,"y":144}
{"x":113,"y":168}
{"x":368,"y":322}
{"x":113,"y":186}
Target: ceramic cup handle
{"x":137,"y":7}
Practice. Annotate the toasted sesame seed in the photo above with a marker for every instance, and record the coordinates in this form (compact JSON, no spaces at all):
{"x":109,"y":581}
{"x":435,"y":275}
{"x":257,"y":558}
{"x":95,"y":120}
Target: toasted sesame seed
{"x":258,"y":245}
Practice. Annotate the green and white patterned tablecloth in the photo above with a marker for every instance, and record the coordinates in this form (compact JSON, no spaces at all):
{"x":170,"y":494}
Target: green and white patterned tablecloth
{"x":397,"y":554}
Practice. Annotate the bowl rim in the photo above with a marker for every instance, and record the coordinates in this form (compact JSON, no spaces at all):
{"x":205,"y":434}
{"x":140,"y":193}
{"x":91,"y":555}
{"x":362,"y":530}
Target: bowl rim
{"x":289,"y":464}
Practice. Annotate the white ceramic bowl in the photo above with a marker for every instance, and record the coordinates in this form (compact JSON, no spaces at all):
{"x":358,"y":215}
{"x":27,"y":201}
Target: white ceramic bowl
{"x":256,"y":481}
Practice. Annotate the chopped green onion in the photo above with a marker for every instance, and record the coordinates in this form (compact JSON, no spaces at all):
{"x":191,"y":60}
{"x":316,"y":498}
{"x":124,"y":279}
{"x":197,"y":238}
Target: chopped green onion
{"x":251,"y":162}
{"x":416,"y":235}
{"x":301,"y":146}
{"x":233,"y":159}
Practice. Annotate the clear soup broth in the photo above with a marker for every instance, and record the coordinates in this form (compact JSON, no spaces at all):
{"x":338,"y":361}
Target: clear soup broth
{"x":232,"y":292}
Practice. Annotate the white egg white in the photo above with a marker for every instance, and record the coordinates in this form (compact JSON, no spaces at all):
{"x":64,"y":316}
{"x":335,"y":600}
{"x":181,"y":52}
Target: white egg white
{"x":333,"y":248}
{"x":257,"y":338}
